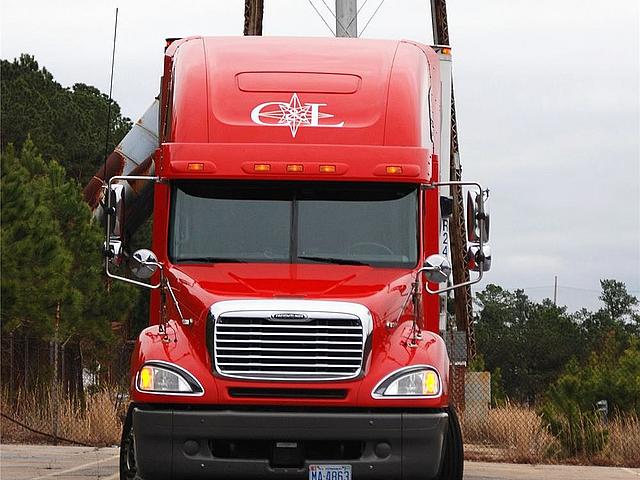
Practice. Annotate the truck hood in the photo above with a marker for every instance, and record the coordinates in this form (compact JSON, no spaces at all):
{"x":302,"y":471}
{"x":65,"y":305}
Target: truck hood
{"x":383,"y":290}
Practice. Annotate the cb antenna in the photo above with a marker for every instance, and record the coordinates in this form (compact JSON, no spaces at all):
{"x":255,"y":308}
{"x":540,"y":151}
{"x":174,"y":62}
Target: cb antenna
{"x":113,"y":59}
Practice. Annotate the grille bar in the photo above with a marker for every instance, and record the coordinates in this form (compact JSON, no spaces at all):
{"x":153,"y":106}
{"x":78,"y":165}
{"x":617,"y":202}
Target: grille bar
{"x":263,"y":365}
{"x":290,"y":325}
{"x":296,"y":342}
{"x":258,"y":357}
{"x":288,"y":334}
{"x":265,"y":349}
{"x":322,"y":346}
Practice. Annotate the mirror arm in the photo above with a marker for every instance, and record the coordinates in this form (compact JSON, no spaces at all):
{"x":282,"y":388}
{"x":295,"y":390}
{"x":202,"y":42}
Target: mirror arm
{"x":130,"y":280}
{"x":452,"y":184}
{"x":111,"y":208}
{"x":185,"y":321}
{"x":453,"y":287}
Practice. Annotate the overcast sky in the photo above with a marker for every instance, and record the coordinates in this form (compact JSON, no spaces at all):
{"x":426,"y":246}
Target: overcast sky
{"x":547,"y":93}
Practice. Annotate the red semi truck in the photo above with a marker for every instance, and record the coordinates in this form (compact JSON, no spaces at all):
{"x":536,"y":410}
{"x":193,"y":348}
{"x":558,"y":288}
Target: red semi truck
{"x":298,"y":265}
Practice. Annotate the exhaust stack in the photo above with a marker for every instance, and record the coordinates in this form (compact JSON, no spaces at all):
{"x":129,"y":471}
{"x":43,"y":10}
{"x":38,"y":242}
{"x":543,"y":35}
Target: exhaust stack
{"x":133,"y":156}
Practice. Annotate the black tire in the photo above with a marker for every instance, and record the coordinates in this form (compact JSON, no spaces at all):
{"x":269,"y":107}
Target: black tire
{"x":452,"y":466}
{"x":128,"y":470}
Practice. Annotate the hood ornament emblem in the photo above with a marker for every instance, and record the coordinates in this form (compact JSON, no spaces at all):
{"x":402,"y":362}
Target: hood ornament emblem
{"x":290,"y":316}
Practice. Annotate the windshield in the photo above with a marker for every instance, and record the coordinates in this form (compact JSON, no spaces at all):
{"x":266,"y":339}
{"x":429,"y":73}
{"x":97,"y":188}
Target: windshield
{"x":294,"y":222}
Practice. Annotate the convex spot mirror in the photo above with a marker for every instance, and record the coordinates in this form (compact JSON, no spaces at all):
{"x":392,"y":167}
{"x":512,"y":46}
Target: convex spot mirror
{"x":479,"y":262}
{"x":437,"y":269}
{"x":115,"y":219}
{"x":143,"y":263}
{"x":477,"y":216}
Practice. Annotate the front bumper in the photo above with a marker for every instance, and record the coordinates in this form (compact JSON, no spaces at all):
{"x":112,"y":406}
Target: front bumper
{"x":233,"y":444}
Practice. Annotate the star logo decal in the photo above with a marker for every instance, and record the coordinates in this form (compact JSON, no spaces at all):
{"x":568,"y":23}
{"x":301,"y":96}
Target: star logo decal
{"x":294,"y":115}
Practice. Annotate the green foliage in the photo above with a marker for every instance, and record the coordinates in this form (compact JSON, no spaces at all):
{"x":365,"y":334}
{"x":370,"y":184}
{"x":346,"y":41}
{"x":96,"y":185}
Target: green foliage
{"x":581,"y":432}
{"x":525,"y":343}
{"x":618,"y":320}
{"x":50,"y":254}
{"x":68,"y":124}
{"x":569,"y":407}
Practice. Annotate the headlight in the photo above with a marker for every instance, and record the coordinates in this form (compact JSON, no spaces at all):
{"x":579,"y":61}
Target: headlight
{"x":166,"y":378}
{"x":416,"y":381}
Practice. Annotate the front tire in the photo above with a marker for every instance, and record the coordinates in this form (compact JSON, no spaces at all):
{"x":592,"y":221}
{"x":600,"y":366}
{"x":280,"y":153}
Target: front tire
{"x":452,"y":466}
{"x":128,"y":470}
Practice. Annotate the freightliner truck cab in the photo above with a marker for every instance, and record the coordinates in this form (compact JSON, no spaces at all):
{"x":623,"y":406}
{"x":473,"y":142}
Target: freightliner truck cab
{"x":297,"y":271}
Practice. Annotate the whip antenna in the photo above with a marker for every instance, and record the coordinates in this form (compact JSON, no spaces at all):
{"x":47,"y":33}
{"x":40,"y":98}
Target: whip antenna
{"x":113,"y":58}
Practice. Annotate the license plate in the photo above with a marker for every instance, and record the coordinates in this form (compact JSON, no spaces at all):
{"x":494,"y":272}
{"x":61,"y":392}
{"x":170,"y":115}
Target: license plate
{"x":330,"y":472}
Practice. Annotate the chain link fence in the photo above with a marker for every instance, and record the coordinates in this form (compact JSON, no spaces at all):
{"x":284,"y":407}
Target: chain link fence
{"x":496,"y":429}
{"x":47,"y":397}
{"x":87,"y":407}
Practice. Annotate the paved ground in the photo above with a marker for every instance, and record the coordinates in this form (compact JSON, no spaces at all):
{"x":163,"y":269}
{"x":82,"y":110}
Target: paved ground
{"x":37,"y":462}
{"x":40,"y":462}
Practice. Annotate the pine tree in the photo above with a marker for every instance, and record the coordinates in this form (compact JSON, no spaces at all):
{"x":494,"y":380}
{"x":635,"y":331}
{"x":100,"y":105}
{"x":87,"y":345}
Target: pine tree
{"x":67,"y":124}
{"x":51,"y":255}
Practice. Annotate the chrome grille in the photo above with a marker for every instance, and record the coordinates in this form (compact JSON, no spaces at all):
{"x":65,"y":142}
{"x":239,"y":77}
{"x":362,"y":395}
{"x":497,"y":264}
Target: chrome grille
{"x":315,"y":345}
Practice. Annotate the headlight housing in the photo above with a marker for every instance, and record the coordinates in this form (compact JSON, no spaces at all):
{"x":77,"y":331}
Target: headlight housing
{"x":419,"y":381}
{"x":166,"y":378}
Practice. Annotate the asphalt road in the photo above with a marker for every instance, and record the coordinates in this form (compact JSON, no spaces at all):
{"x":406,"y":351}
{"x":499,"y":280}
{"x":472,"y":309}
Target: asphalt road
{"x":38,"y":462}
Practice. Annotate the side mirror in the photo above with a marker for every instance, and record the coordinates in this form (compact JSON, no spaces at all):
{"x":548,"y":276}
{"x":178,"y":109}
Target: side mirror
{"x":115,"y":224}
{"x":479,"y":262}
{"x":477,"y":217}
{"x":143,"y":263}
{"x":437,"y":268}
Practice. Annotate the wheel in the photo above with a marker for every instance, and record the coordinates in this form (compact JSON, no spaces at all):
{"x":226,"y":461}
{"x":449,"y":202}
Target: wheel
{"x":128,"y":470}
{"x":452,"y":465}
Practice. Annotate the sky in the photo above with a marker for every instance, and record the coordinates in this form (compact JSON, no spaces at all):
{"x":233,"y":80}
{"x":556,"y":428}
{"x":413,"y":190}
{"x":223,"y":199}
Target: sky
{"x":547,"y":96}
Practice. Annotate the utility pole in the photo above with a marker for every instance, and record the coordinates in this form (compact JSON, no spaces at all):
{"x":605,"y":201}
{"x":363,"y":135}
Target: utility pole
{"x":347,"y":18}
{"x":253,"y":12}
{"x":457,"y":227}
{"x":555,"y":290}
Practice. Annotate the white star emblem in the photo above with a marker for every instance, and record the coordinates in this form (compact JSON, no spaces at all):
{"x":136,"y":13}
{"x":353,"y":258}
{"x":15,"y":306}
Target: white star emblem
{"x":293,"y":115}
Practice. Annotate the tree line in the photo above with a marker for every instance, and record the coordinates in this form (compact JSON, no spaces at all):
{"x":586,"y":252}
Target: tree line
{"x":53,"y":289}
{"x":563,"y":364}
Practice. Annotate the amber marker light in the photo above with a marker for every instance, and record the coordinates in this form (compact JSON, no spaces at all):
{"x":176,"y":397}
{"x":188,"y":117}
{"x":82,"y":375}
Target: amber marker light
{"x":295,"y":168}
{"x":327,"y":169}
{"x":146,"y":378}
{"x":394,"y":170}
{"x":446,"y":51}
{"x":262,"y":167}
{"x":431,"y":383}
{"x":195,"y":167}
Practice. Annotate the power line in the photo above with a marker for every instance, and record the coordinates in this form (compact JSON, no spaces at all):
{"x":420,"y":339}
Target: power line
{"x":357,"y":13}
{"x":322,"y":18}
{"x":371,"y":18}
{"x":338,"y":22}
{"x":569,"y":287}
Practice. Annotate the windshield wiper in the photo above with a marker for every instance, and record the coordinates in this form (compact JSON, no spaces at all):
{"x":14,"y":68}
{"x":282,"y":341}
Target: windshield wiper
{"x":210,"y":260}
{"x":338,"y":261}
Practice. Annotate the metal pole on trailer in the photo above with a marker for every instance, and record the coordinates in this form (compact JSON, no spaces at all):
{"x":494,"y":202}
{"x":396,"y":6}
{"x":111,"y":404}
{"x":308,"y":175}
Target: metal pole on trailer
{"x":253,"y":13}
{"x":457,"y":227}
{"x":347,"y":18}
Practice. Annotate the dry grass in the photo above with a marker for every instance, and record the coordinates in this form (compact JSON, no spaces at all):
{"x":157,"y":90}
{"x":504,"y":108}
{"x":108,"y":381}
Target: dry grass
{"x":517,"y":434}
{"x":623,"y":443}
{"x":510,"y":433}
{"x":96,"y":424}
